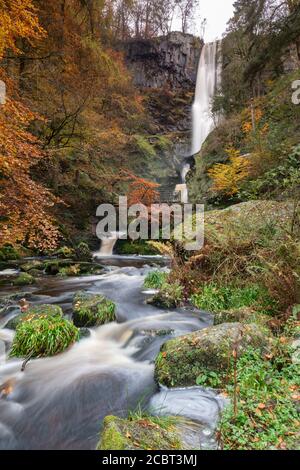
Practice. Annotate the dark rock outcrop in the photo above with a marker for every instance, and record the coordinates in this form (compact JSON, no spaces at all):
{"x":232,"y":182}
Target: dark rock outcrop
{"x":170,"y":61}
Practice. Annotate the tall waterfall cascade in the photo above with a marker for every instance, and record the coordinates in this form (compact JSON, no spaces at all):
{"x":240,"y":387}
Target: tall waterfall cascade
{"x":208,"y":81}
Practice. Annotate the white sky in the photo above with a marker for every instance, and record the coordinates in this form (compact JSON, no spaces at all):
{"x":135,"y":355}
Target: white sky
{"x":217,"y":13}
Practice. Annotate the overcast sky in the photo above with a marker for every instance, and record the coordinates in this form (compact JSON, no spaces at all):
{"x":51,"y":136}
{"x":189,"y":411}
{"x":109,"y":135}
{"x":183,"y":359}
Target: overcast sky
{"x":217,"y":13}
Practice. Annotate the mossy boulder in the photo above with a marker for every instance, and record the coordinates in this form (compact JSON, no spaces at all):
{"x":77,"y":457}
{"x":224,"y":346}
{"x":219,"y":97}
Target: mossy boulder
{"x":38,"y":311}
{"x":186,"y":360}
{"x":29,"y":265}
{"x":43,"y":337}
{"x":139,"y":434}
{"x":242,"y":315}
{"x":92,"y":310}
{"x":53,"y":266}
{"x":24,"y":279}
{"x":80,"y":268}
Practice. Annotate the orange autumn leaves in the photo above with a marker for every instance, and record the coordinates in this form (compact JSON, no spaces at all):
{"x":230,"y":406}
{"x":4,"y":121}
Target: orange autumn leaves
{"x":24,"y":204}
{"x":18,"y":20}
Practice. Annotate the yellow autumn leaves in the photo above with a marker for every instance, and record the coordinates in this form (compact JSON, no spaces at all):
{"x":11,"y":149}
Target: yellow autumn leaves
{"x":228,"y":176}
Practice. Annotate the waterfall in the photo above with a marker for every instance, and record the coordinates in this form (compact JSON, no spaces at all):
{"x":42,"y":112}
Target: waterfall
{"x":108,"y":244}
{"x":208,"y":79}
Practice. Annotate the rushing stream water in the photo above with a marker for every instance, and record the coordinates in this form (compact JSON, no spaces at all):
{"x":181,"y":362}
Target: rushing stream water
{"x":59,"y":402}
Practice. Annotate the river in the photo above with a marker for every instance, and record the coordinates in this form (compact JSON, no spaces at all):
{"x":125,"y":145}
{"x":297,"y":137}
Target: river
{"x":60,"y":402}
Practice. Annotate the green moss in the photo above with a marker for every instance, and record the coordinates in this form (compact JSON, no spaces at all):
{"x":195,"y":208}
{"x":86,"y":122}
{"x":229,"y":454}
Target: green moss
{"x":24,"y":279}
{"x":38,"y":311}
{"x":140,"y":247}
{"x":182,"y":361}
{"x":145,"y":147}
{"x":92,"y":310}
{"x":139,"y":433}
{"x":42,"y":337}
{"x":29,"y":265}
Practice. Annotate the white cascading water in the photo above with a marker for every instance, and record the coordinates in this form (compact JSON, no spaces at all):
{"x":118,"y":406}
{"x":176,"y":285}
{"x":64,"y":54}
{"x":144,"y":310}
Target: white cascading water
{"x":208,"y":78}
{"x":108,"y":244}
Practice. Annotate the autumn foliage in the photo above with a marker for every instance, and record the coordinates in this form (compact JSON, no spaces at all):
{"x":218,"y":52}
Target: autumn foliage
{"x":24,"y":204}
{"x":227,"y":177}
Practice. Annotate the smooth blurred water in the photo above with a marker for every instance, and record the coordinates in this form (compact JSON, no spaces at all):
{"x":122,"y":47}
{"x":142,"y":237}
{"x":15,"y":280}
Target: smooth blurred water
{"x":59,"y":402}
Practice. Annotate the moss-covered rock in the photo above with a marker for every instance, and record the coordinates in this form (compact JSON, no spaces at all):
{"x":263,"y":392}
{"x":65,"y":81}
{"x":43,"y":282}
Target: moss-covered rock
{"x":182,"y":361}
{"x":242,"y":315}
{"x":42,"y":337}
{"x":38,"y":311}
{"x":169,"y":296}
{"x":33,"y":264}
{"x":24,"y":279}
{"x":139,"y":434}
{"x":92,"y":310}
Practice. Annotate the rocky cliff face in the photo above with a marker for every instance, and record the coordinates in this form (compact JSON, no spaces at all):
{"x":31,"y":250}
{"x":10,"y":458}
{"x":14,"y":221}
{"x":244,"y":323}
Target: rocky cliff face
{"x":169,"y":61}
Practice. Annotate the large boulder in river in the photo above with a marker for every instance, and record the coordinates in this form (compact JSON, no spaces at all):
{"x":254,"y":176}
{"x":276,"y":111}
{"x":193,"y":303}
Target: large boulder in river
{"x":191,"y":359}
{"x":38,"y":311}
{"x":24,"y":279}
{"x":92,"y":310}
{"x":140,"y":433}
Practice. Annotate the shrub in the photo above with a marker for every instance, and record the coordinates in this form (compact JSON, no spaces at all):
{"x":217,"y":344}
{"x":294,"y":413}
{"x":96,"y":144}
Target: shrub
{"x":155,"y":280}
{"x":216,"y":298}
{"x":43,"y":337}
{"x":8,"y":252}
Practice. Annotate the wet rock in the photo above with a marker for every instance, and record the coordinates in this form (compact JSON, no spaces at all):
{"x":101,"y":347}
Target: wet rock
{"x":140,"y":434}
{"x":166,"y":61}
{"x":24,"y":279}
{"x":92,"y":310}
{"x":183,"y":360}
{"x":84,"y":333}
{"x":38,"y":311}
